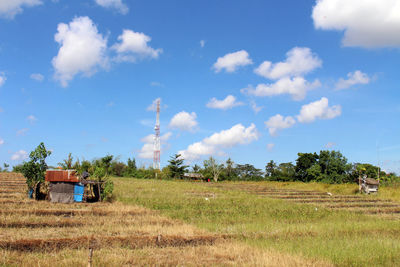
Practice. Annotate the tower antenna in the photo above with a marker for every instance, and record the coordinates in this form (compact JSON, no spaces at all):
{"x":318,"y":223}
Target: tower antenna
{"x":157,"y":143}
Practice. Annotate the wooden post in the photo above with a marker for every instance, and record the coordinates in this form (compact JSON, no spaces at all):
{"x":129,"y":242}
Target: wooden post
{"x":90,"y":257}
{"x":98,"y":189}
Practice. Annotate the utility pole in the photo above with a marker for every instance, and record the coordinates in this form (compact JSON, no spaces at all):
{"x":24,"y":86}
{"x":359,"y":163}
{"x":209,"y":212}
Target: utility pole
{"x":157,"y":143}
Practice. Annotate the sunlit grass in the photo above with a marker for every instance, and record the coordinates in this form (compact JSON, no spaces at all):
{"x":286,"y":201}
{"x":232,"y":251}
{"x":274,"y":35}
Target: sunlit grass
{"x":342,"y":237}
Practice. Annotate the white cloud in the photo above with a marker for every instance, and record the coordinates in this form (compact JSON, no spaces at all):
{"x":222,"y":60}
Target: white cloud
{"x":230,"y":62}
{"x":366,"y":23}
{"x":116,"y":4}
{"x":31,"y":119}
{"x":297,"y":87}
{"x":37,"y":77}
{"x":22,"y":132}
{"x":227,"y":103}
{"x":202,"y":43}
{"x":19,"y":155}
{"x":270,"y":147}
{"x":133,"y":46}
{"x":318,"y":110}
{"x":299,"y":61}
{"x":3,"y":78}
{"x":1,"y":141}
{"x":254,"y":107}
{"x":153,"y":106}
{"x":83,"y":49}
{"x":237,"y":135}
{"x":147,"y":150}
{"x":10,"y":8}
{"x":184,"y":121}
{"x":353,"y":78}
{"x":278,"y":122}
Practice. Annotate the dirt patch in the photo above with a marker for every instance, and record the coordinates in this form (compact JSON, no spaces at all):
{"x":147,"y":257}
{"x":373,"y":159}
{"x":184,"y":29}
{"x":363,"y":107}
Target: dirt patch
{"x":133,"y":242}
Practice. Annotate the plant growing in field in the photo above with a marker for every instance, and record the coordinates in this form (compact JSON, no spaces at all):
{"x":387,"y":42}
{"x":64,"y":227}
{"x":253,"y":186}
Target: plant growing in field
{"x":34,"y":169}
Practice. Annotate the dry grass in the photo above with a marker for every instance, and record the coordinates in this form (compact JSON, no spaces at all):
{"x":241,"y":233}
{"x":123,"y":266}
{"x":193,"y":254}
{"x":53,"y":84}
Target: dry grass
{"x":39,"y":233}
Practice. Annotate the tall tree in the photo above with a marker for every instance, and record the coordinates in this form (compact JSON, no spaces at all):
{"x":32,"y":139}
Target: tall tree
{"x":34,"y":170}
{"x":214,"y":168}
{"x":270,"y":169}
{"x":176,"y":167}
{"x":303,"y":162}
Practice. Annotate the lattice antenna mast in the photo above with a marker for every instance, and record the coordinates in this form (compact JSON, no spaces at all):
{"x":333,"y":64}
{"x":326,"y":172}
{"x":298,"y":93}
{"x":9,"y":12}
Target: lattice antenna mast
{"x":157,"y":143}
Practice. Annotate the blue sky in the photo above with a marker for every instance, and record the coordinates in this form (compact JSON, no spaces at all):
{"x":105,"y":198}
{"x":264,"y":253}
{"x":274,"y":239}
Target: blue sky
{"x":250,"y":80}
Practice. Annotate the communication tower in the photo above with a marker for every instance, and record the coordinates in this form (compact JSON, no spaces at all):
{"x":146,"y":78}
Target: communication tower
{"x":157,"y":143}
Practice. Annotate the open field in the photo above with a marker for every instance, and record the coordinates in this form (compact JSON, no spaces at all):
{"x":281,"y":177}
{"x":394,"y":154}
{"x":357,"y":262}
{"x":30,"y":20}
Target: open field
{"x":155,"y":222}
{"x":341,"y":229}
{"x":122,"y":234}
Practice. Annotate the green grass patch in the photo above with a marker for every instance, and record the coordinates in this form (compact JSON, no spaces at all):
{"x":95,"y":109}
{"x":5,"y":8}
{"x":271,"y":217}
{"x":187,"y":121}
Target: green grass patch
{"x":344,"y":238}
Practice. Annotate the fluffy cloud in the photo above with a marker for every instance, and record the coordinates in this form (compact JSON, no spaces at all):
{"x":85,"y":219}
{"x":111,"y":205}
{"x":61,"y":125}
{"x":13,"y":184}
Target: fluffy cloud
{"x":19,"y":155}
{"x":230,"y":62}
{"x":3,"y":78}
{"x":353,"y":78}
{"x":278,"y":122}
{"x":147,"y":150}
{"x":133,"y":46}
{"x":202,"y":43}
{"x":31,"y":119}
{"x":366,"y":23}
{"x":1,"y":141}
{"x":10,"y":8}
{"x":299,"y":61}
{"x":297,"y":87}
{"x":318,"y":110}
{"x":184,"y":121}
{"x":83,"y":49}
{"x":37,"y":77}
{"x":236,"y":135}
{"x":116,"y":4}
{"x":227,"y":103}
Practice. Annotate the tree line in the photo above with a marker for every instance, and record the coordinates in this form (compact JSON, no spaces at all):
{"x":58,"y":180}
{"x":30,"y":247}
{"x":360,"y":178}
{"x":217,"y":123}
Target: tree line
{"x":326,"y":166}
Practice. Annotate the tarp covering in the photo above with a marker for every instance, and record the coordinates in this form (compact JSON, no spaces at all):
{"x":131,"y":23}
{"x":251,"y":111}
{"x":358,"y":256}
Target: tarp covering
{"x":62,"y":192}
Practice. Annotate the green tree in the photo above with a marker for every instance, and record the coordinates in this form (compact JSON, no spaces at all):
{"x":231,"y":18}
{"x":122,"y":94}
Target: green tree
{"x":196,"y":168}
{"x":176,"y":167}
{"x":34,"y":170}
{"x":213,"y":167}
{"x":67,"y":163}
{"x":5,"y":167}
{"x":248,"y":172}
{"x":270,"y":169}
{"x":303,"y":162}
{"x":285,"y":172}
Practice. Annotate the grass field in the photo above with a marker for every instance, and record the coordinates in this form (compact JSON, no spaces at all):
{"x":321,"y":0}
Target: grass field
{"x":343,"y":237}
{"x":39,"y":233}
{"x":168,"y":223}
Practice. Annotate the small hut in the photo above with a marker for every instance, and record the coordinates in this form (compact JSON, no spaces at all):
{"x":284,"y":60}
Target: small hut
{"x":66,"y":186}
{"x":194,"y":176}
{"x":369,"y":185}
